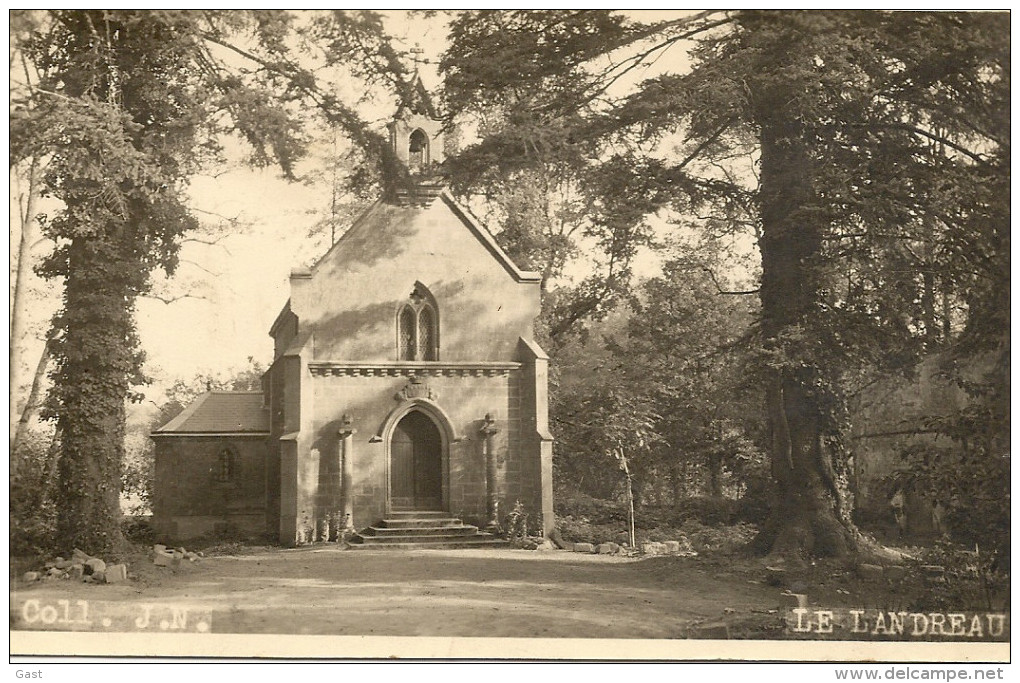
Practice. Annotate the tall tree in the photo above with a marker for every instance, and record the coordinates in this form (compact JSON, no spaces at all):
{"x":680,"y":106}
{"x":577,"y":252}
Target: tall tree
{"x":126,"y":105}
{"x":863,"y":127}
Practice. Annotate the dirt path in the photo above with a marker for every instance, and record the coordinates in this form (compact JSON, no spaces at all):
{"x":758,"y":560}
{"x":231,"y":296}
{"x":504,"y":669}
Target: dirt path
{"x":456,"y":593}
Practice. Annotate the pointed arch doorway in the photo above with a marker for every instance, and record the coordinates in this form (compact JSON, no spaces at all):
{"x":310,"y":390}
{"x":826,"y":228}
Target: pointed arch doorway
{"x":416,"y":464}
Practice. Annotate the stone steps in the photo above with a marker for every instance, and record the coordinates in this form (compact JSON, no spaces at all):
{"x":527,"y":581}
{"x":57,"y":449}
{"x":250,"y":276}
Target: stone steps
{"x":471,"y":542}
{"x":452,"y":530}
{"x":430,"y":529}
{"x":418,"y":514}
{"x":408,"y":523}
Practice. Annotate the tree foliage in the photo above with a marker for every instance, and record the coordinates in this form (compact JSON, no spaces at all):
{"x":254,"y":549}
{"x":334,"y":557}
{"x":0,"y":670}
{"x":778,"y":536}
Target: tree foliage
{"x":122,"y":107}
{"x":664,"y":381}
{"x":878,"y":145}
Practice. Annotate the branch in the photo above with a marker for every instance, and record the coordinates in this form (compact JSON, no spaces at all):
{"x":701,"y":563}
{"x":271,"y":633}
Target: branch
{"x":704,"y":145}
{"x":721,"y":290}
{"x":334,"y":111}
{"x":211,"y":243}
{"x":637,"y":60}
{"x":897,"y":432}
{"x":201,"y":267}
{"x":977,"y":158}
{"x":233,"y":221}
{"x":171,"y":299}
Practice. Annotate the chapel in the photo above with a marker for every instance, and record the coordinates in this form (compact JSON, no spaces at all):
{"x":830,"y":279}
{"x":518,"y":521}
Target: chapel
{"x":407,"y":399}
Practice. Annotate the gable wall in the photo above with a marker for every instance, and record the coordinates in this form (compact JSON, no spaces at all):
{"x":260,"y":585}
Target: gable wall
{"x":350,"y":302}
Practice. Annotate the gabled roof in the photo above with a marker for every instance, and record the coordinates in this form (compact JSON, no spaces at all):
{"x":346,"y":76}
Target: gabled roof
{"x":221,"y":412}
{"x":486,"y":238}
{"x":377,"y":214}
{"x":420,"y":102}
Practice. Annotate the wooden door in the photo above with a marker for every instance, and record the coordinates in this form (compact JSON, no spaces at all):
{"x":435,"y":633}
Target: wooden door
{"x":416,"y":464}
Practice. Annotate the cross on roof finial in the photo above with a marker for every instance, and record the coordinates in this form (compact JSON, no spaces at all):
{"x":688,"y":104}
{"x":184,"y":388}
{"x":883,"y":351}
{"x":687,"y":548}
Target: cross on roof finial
{"x":416,"y":57}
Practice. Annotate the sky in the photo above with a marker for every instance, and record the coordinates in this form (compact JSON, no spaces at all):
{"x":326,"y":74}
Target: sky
{"x":236,"y":287}
{"x":221,"y":331}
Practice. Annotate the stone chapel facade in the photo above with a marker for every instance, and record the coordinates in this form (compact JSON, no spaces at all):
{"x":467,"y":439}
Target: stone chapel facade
{"x":405,"y":380}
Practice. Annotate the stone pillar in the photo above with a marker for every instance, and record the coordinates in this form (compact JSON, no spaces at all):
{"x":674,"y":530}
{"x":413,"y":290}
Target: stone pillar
{"x":346,"y":434}
{"x":488,"y":432}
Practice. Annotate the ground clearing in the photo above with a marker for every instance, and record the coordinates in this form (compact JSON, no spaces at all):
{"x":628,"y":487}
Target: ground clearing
{"x":498,"y":593}
{"x":485,"y":593}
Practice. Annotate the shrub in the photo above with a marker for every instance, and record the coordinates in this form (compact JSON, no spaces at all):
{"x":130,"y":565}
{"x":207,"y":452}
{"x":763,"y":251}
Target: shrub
{"x":138,"y":529}
{"x":33,"y":513}
{"x":595,"y":510}
{"x":515,"y":524}
{"x":709,"y":510}
{"x":723,"y":538}
{"x":581,"y":530}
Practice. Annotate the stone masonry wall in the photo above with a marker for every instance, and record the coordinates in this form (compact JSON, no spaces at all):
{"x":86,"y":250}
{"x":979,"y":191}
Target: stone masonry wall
{"x":190,"y":500}
{"x":370,"y":401}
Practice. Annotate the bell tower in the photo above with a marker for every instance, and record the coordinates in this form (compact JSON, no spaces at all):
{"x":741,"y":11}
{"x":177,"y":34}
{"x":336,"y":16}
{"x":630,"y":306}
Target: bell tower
{"x":416,"y":133}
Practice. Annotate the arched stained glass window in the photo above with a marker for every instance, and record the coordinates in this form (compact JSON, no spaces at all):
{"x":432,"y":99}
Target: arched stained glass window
{"x":225,"y":466}
{"x":418,"y":327}
{"x":406,"y":333}
{"x":426,"y":334}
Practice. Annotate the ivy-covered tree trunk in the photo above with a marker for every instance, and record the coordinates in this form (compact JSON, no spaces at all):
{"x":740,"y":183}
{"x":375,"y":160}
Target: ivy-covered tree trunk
{"x":808,"y":515}
{"x":96,"y":363}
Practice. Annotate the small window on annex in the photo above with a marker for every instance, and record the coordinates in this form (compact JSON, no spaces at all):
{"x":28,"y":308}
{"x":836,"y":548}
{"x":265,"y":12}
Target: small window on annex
{"x":226,"y":465}
{"x":418,"y":327}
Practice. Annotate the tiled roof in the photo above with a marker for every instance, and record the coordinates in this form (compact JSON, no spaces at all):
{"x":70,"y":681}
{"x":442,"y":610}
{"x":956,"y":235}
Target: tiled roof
{"x":221,"y":412}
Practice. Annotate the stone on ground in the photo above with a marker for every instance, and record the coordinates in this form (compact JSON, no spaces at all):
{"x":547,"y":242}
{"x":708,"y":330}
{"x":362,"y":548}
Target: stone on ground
{"x":792,"y":600}
{"x":96,"y":564}
{"x":79,"y":556}
{"x":116,"y":573}
{"x":775,"y":576}
{"x":869,"y":571}
{"x":30,"y":576}
{"x":163,"y":559}
{"x":584,"y":548}
{"x":607,"y":548}
{"x":895,"y":573}
{"x":672,"y":546}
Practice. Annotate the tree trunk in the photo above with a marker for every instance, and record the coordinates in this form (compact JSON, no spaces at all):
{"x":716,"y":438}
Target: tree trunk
{"x":809,"y":516}
{"x":95,"y":360}
{"x":18,"y":329}
{"x":715,"y":475}
{"x":34,"y":398}
{"x":676,"y":479}
{"x":630,"y":500}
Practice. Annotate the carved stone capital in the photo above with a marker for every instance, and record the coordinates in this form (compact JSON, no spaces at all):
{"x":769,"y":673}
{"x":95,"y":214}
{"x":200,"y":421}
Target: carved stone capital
{"x":416,"y":388}
{"x":488,"y":427}
{"x":346,"y":426}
